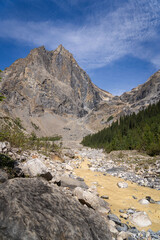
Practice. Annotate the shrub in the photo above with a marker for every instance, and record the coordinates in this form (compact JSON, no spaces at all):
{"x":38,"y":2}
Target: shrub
{"x":35,"y":126}
{"x":110,"y":118}
{"x":19,"y":139}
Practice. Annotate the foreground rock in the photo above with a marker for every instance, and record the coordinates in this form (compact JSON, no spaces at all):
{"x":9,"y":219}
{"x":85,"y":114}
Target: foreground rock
{"x":32,"y":210}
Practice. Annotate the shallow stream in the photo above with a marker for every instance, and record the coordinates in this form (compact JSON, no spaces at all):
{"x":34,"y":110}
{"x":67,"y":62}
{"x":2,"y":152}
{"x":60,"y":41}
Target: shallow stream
{"x":122,"y":198}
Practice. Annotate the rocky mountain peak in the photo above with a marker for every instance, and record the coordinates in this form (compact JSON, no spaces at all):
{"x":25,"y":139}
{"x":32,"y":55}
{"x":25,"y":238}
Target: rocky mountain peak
{"x":144,"y":94}
{"x":49,"y":81}
{"x":61,"y":49}
{"x":39,"y":51}
{"x":63,"y":53}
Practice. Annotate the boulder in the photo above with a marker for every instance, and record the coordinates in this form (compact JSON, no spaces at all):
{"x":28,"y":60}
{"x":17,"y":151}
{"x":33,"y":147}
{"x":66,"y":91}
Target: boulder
{"x":35,"y":167}
{"x":122,"y":185}
{"x":140,"y":219}
{"x":122,"y":228}
{"x":143,"y":201}
{"x":31,"y":209}
{"x":114,"y":218}
{"x":66,"y":181}
{"x":48,"y":176}
{"x":124,"y":235}
{"x":91,"y":200}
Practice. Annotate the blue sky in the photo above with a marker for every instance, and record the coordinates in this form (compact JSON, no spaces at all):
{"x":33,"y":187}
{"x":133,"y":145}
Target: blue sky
{"x":117,"y":42}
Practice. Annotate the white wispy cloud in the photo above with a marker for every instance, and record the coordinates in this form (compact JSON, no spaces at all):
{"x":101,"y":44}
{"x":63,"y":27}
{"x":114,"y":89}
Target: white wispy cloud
{"x":101,"y":40}
{"x":156,"y":61}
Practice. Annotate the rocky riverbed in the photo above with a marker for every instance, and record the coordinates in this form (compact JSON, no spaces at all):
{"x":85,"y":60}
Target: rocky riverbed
{"x":108,"y":184}
{"x":129,"y":165}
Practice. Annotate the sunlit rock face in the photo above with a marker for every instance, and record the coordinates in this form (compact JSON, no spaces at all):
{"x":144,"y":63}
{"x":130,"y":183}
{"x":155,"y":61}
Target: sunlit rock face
{"x":33,"y":209}
{"x":144,"y":94}
{"x":50,"y":81}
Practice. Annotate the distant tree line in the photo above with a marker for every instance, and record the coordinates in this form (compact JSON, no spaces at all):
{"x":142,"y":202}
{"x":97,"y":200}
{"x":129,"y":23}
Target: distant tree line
{"x":137,"y":131}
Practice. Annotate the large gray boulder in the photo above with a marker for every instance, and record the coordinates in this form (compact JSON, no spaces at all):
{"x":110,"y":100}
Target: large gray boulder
{"x":91,"y":200}
{"x":30,"y":209}
{"x":66,"y":181}
{"x":35,"y":167}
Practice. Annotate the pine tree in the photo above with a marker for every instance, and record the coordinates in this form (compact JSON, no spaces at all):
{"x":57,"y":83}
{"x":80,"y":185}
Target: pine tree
{"x":138,"y":131}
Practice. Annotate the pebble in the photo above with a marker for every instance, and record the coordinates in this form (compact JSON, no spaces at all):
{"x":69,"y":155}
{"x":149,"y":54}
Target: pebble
{"x":121,"y":211}
{"x":114,"y":218}
{"x":105,"y":197}
{"x":134,"y":197}
{"x":122,"y":185}
{"x":121,"y":228}
{"x":124,"y":215}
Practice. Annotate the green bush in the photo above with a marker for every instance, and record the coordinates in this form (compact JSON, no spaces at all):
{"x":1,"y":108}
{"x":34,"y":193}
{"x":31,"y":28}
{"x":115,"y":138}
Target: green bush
{"x":18,"y":122}
{"x":110,"y":118}
{"x":6,"y":161}
{"x":7,"y":164}
{"x":19,"y":139}
{"x":35,"y":126}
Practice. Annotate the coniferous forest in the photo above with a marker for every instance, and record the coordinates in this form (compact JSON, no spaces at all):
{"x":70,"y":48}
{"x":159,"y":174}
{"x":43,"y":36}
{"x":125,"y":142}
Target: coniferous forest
{"x":137,"y":131}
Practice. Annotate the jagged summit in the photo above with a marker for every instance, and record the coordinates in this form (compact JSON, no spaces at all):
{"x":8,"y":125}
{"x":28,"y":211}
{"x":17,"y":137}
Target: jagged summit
{"x":38,"y":50}
{"x":60,"y":48}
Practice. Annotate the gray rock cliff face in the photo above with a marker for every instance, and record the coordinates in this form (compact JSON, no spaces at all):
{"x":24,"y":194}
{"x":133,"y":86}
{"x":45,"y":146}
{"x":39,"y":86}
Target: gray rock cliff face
{"x":49,"y":81}
{"x":144,"y":94}
{"x":32,"y":210}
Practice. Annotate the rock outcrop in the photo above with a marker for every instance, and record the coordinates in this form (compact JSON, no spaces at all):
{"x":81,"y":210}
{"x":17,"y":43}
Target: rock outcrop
{"x":144,"y":94}
{"x":31,"y":209}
